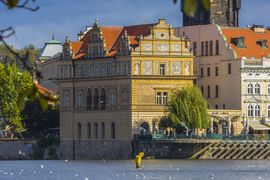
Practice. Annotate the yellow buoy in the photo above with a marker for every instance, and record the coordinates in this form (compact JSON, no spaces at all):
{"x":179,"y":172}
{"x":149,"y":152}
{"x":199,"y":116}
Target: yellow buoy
{"x":138,"y":160}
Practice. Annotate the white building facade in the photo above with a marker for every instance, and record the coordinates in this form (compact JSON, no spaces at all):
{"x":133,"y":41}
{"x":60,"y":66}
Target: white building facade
{"x":233,"y":69}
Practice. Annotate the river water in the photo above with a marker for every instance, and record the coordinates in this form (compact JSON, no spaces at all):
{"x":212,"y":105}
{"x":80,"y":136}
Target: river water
{"x":125,"y":170}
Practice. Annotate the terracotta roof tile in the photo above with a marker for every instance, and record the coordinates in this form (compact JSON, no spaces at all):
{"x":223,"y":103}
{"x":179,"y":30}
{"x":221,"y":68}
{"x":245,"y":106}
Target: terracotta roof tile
{"x":252,"y":49}
{"x":112,"y":36}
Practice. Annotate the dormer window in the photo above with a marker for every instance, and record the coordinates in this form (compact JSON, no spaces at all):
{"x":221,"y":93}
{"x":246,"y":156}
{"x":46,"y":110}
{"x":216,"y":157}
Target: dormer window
{"x":238,"y":42}
{"x":262,"y":43}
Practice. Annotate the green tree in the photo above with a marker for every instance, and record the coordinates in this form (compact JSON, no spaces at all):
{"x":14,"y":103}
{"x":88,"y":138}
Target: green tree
{"x":187,"y":105}
{"x":38,"y":122}
{"x":190,"y":6}
{"x":14,"y":87}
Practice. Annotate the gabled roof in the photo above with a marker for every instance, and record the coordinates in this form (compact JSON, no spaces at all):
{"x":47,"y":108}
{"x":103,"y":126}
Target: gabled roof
{"x":252,"y":48}
{"x":112,"y":36}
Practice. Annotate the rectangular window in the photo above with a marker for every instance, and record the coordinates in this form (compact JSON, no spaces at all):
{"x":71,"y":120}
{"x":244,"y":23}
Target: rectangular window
{"x":202,"y":90}
{"x":206,"y":48}
{"x":229,"y":68}
{"x":202,"y":48}
{"x":162,"y":69}
{"x":113,"y":97}
{"x":217,"y":93}
{"x":208,"y":92}
{"x":79,"y":99}
{"x":216,"y":71}
{"x":165,"y":98}
{"x":211,"y":48}
{"x":162,"y":98}
{"x":208,"y":71}
{"x":195,"y":48}
{"x":202,"y":74}
{"x":217,"y":47}
{"x":158,"y":98}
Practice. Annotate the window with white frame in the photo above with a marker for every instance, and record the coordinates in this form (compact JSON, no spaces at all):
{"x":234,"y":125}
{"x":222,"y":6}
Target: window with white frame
{"x":162,"y":98}
{"x":257,"y":89}
{"x":250,"y":111}
{"x":158,"y":98}
{"x":113,"y":97}
{"x":250,"y":88}
{"x":165,"y":98}
{"x":257,"y":111}
{"x":66,"y":98}
{"x":162,"y":69}
{"x":79,"y":98}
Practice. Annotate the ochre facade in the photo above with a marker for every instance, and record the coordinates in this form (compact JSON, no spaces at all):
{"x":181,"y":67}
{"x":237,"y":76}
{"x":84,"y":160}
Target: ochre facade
{"x":115,"y":81}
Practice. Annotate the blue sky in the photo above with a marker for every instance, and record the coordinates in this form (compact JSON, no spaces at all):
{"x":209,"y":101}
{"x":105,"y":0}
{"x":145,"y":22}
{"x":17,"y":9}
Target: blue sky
{"x":68,"y":17}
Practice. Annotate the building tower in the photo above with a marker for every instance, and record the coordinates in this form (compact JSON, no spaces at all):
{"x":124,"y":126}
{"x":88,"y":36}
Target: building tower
{"x":222,"y":12}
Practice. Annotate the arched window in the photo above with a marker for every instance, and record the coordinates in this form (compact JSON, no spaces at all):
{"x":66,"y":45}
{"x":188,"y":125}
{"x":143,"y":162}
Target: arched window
{"x":89,"y":132}
{"x":113,"y":130}
{"x":103,"y":99}
{"x":96,"y":99}
{"x":257,"y":89}
{"x":96,"y":130}
{"x":79,"y":131}
{"x":250,"y":111}
{"x":250,"y":88}
{"x":89,"y":99}
{"x":257,"y":111}
{"x":268,"y":89}
{"x":268,"y":111}
{"x":103,"y":130}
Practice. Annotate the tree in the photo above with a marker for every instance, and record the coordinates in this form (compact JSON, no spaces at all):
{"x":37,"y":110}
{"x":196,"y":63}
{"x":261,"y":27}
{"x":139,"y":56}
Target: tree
{"x":188,"y":106}
{"x":39,"y":122}
{"x":190,"y":6}
{"x":14,"y":87}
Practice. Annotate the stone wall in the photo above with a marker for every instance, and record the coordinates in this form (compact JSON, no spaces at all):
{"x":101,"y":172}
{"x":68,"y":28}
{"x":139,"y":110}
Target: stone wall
{"x":14,"y":150}
{"x":167,"y":149}
{"x":96,"y":149}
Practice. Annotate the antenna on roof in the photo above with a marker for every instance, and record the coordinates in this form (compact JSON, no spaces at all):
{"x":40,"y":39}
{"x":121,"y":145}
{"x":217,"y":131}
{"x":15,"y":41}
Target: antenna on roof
{"x":53,"y":34}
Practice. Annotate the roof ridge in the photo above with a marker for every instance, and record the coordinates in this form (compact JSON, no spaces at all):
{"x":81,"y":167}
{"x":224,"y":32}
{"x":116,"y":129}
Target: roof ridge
{"x":141,"y":25}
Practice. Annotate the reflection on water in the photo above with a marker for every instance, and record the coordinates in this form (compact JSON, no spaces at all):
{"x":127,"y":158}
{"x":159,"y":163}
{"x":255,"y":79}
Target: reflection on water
{"x":125,"y":170}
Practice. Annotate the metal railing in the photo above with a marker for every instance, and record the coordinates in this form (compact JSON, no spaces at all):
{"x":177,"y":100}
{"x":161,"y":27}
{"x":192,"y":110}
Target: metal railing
{"x":248,"y":137}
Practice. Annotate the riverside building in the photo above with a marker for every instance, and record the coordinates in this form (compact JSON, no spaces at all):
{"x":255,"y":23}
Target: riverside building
{"x":115,"y":82}
{"x":234,"y":69}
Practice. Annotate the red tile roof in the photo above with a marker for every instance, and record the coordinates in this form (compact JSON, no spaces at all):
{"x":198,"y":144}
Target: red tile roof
{"x":252,"y":49}
{"x":112,"y":36}
{"x":76,"y":46}
{"x":42,"y":90}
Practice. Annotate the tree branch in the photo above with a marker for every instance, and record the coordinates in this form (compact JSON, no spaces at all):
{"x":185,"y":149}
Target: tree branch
{"x":24,"y":5}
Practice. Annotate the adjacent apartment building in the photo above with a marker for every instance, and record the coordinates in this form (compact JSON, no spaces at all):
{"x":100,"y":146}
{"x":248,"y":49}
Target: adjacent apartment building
{"x":115,"y":82}
{"x":234,"y":70}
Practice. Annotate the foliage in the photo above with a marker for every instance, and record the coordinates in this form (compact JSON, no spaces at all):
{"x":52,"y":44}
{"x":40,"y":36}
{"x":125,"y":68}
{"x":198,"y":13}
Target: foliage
{"x":14,"y":86}
{"x":37,"y":121}
{"x":37,"y":152}
{"x":187,"y":105}
{"x":167,"y":122}
{"x":190,"y":6}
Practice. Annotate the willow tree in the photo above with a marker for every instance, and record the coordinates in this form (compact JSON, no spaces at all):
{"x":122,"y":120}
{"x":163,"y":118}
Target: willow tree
{"x":188,"y":106}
